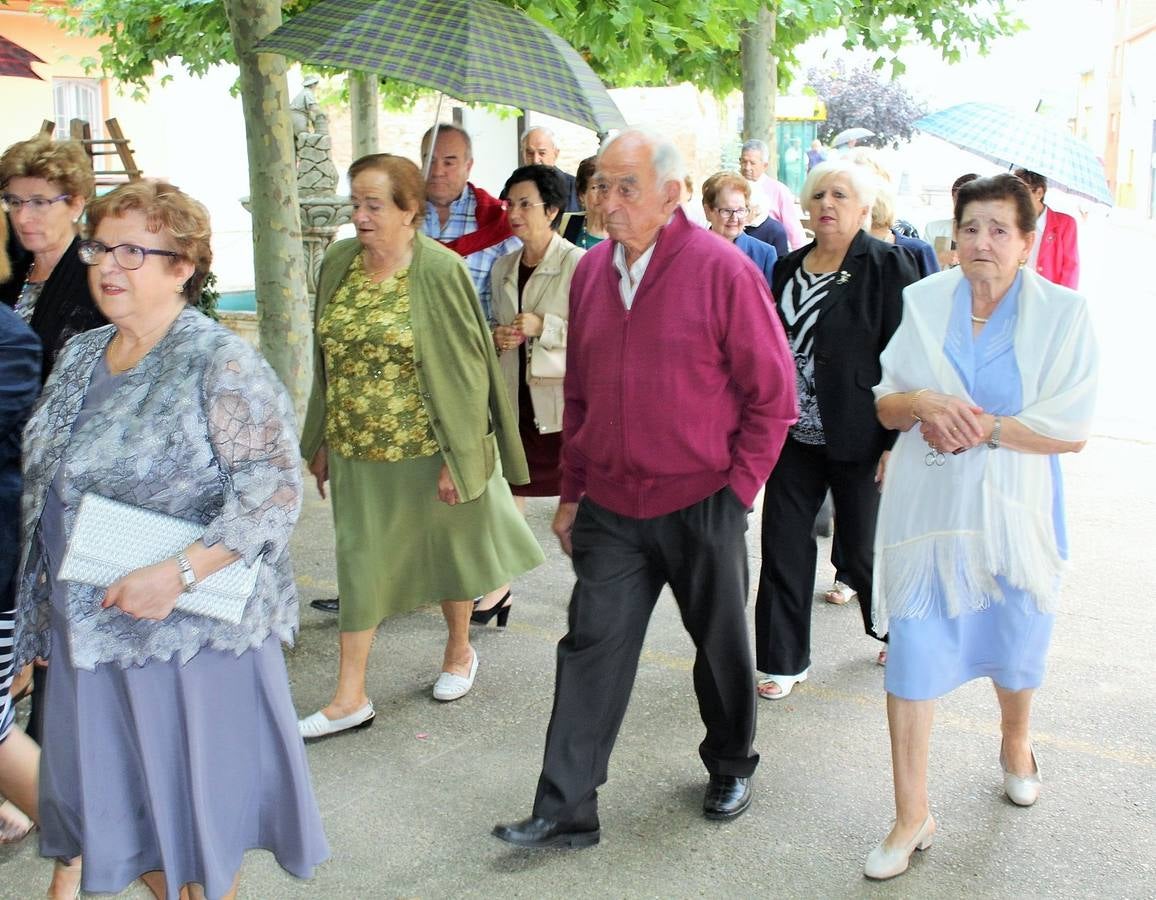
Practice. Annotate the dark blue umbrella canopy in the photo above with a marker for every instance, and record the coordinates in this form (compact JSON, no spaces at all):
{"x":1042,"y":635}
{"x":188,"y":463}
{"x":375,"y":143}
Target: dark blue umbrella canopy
{"x":473,"y":50}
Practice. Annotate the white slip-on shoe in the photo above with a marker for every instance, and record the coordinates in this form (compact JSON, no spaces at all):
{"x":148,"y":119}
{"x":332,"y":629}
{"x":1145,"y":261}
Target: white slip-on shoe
{"x":1020,"y":790}
{"x":453,"y":687}
{"x":319,"y":725}
{"x":883,"y":863}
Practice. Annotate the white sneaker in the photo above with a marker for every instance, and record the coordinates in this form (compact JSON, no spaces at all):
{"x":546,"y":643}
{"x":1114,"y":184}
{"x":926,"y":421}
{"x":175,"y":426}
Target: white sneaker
{"x":453,"y":687}
{"x":319,"y":725}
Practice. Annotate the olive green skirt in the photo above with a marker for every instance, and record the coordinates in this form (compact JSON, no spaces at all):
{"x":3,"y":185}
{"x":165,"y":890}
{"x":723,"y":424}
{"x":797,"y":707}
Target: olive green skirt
{"x":399,"y":547}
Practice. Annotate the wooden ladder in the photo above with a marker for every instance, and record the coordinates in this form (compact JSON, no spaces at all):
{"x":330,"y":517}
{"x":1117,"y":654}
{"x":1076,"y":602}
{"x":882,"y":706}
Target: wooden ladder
{"x":115,"y":145}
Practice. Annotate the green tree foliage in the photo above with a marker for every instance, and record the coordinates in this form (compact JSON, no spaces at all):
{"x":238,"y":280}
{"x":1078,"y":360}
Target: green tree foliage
{"x":627,"y":42}
{"x":863,"y":98}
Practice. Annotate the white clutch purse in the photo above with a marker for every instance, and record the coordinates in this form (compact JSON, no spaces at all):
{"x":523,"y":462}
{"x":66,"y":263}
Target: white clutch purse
{"x":111,"y":539}
{"x":547,"y":363}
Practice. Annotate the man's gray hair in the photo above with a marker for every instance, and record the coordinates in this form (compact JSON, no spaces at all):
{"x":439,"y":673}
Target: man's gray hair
{"x":442,"y":127}
{"x":756,"y":144}
{"x":664,"y":155}
{"x":542,"y":128}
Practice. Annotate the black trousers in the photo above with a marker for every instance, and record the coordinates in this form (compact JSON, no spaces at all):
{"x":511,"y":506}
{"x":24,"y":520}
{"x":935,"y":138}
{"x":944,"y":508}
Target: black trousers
{"x":621,"y":565}
{"x":792,"y":497}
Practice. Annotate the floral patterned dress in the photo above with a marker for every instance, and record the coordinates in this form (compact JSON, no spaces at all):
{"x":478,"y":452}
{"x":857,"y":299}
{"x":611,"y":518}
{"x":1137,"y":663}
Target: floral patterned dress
{"x":398,"y":545}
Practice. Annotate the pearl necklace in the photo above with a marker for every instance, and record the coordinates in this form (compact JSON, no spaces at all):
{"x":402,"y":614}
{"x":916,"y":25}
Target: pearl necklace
{"x":978,"y":320}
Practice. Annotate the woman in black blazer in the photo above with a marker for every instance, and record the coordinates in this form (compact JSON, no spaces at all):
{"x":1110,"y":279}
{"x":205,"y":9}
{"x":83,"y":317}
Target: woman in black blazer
{"x":44,"y":186}
{"x":840,"y":300}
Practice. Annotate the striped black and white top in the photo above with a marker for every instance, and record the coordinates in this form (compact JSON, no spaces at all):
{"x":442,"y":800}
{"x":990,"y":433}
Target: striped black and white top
{"x":7,"y":621}
{"x":802,"y":300}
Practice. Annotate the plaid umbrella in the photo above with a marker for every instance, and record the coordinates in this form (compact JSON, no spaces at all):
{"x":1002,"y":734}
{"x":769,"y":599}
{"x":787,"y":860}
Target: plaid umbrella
{"x":1027,"y":140}
{"x":474,"y":50}
{"x":15,"y":60}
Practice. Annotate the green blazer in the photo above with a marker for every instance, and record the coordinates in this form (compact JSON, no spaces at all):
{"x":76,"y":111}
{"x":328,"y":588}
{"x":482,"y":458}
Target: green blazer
{"x":457,"y":368}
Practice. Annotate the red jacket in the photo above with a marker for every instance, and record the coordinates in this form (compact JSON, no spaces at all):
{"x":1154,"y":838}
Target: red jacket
{"x":1059,"y":256}
{"x":690,"y":390}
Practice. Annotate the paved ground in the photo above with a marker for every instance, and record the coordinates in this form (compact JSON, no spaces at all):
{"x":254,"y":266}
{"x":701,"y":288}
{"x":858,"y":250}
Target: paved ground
{"x":409,"y":803}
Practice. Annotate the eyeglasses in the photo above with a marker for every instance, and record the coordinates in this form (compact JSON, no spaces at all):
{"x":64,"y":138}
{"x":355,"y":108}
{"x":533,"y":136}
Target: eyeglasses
{"x":728,"y":213}
{"x":523,"y":205}
{"x":127,"y":256}
{"x":13,"y":204}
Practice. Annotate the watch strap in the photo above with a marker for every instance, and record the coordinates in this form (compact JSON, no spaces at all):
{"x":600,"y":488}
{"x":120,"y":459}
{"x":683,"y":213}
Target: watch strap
{"x":188,"y":576}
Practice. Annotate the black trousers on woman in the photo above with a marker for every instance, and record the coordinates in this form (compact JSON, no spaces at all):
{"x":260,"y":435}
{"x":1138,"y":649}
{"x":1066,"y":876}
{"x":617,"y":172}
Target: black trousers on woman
{"x":621,"y":565}
{"x":792,"y":498}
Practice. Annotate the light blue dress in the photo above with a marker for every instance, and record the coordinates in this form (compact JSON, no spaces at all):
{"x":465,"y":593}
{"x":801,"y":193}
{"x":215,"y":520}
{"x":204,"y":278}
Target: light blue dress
{"x":1008,"y":641}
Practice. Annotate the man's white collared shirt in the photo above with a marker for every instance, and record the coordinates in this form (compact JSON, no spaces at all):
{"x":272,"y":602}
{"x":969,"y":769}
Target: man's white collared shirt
{"x":630,"y":278}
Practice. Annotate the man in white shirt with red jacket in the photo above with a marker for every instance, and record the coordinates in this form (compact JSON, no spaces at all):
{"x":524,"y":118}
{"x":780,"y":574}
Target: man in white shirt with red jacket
{"x":679,"y":391}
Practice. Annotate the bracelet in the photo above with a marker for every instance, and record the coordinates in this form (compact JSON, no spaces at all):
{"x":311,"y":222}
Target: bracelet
{"x":915,"y":397}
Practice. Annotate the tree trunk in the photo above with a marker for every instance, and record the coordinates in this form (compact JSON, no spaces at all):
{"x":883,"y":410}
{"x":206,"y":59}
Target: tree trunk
{"x":760,"y":81}
{"x":363,"y":106}
{"x":283,"y":320}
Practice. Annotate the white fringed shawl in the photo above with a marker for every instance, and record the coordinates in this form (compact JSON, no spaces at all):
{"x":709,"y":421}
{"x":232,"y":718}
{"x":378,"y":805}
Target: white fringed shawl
{"x":947,"y":531}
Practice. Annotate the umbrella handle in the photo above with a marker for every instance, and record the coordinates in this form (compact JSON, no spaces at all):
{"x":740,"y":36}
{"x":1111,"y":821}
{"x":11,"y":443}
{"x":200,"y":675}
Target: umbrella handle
{"x":428,"y":161}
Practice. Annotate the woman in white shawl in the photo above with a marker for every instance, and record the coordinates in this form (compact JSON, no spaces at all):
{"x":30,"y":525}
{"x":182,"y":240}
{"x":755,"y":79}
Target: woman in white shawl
{"x":997,"y":367}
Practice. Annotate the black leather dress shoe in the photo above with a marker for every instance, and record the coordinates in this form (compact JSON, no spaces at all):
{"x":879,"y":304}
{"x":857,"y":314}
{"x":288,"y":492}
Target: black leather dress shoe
{"x":540,"y":834}
{"x":326,"y":604}
{"x":727,"y":796}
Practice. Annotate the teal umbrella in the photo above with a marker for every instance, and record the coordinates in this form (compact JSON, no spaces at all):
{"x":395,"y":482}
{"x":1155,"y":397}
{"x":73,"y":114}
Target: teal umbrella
{"x":1022,"y":140}
{"x":477,"y":51}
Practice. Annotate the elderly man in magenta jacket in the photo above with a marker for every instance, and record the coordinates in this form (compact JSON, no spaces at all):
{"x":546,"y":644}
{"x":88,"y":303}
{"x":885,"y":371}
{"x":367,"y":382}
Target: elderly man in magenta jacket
{"x":679,"y":391}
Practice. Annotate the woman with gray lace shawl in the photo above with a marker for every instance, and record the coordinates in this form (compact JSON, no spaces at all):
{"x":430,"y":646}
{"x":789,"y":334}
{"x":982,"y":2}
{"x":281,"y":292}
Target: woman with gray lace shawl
{"x":170,"y":740}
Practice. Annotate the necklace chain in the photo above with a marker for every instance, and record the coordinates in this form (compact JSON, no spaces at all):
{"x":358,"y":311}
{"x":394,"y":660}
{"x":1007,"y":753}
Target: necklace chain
{"x":979,"y":320}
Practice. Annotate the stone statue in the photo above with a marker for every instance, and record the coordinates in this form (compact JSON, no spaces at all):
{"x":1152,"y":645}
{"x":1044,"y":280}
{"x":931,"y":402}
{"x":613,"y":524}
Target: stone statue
{"x":305,"y":112}
{"x":316,"y":174}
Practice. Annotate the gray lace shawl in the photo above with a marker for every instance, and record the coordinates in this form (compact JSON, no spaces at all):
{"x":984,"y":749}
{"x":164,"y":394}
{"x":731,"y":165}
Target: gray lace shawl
{"x":200,"y":429}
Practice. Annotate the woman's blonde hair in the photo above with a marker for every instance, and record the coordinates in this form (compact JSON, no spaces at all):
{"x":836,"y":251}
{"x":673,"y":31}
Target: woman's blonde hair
{"x":168,"y":211}
{"x":64,"y":163}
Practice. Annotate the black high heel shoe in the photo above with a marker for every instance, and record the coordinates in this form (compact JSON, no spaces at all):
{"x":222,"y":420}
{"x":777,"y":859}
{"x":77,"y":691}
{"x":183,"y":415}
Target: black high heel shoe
{"x":501,"y":609}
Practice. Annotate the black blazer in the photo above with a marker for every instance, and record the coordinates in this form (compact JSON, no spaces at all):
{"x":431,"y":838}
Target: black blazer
{"x":65,"y":307}
{"x":19,"y":386}
{"x":856,"y":321}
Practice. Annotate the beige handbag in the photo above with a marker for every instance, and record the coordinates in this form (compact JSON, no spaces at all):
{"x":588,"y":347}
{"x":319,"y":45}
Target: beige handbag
{"x":546,"y":362}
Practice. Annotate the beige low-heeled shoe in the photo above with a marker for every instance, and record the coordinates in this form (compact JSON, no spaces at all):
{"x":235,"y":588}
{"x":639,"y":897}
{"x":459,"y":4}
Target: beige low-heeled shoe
{"x":883,"y":862}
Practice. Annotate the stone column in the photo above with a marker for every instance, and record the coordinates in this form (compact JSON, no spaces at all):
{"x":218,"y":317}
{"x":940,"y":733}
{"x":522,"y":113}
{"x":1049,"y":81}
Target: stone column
{"x":322,"y":211}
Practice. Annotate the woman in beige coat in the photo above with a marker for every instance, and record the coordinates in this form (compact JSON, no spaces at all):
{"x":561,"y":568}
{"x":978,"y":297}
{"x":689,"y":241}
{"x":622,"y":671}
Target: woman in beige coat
{"x":531,"y":301}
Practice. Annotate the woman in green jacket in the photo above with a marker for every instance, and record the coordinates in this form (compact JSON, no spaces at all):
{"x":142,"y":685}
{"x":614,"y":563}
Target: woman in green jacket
{"x":409,"y":420}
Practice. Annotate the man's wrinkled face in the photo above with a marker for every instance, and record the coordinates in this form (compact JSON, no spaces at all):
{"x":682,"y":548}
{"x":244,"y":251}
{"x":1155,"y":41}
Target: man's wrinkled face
{"x":449,"y":169}
{"x":752,"y":165}
{"x":633,"y":203}
{"x":539,"y":150}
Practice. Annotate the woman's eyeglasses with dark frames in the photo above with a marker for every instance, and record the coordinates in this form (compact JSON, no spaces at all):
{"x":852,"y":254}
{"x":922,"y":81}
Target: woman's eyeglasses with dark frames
{"x":127,"y":256}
